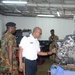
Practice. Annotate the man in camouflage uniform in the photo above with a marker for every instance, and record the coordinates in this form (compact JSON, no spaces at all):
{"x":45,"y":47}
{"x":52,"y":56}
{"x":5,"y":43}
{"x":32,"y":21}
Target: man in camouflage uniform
{"x":8,"y":62}
{"x":52,"y":38}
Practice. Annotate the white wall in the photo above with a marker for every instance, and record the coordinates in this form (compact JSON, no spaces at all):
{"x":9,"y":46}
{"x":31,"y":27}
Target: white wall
{"x":22,"y":22}
{"x":0,"y":29}
{"x":1,"y":26}
{"x":62,"y":27}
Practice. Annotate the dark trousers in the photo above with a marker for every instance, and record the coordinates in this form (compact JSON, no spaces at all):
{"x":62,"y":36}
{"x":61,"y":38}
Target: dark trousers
{"x":30,"y":67}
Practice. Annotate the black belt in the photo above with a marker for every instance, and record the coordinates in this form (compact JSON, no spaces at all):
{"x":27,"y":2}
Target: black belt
{"x":23,"y":59}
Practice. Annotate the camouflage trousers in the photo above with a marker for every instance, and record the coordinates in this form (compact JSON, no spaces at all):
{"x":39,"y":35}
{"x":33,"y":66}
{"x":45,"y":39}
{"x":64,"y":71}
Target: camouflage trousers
{"x":15,"y":72}
{"x":52,"y":57}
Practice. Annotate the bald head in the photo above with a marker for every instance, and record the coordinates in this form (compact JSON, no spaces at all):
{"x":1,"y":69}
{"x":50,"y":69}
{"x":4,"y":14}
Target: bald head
{"x":37,"y":31}
{"x":37,"y":28}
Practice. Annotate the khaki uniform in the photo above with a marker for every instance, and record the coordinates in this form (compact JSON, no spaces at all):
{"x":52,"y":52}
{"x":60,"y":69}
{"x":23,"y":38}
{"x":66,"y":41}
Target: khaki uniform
{"x":8,"y":39}
{"x":52,"y":45}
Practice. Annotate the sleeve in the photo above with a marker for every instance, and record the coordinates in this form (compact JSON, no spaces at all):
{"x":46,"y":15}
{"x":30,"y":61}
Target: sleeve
{"x":22,"y":42}
{"x":39,"y":47}
{"x":57,"y":38}
{"x":49,"y":38}
{"x":10,"y":41}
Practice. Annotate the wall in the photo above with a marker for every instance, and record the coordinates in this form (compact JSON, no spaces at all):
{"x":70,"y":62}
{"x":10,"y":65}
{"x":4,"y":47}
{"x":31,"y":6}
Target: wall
{"x":1,"y":26}
{"x":22,"y":22}
{"x":62,"y":27}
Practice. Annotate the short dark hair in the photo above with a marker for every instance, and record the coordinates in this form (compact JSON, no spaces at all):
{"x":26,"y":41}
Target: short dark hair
{"x":52,"y":30}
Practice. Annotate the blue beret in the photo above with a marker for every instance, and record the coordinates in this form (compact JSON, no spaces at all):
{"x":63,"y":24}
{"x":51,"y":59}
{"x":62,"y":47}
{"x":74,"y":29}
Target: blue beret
{"x":10,"y":24}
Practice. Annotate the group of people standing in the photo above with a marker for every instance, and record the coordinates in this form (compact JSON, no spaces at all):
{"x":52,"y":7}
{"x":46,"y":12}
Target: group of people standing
{"x":29,"y":49}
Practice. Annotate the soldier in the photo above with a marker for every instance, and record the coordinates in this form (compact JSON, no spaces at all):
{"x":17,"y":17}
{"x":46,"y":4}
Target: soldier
{"x":8,"y":62}
{"x":52,"y":38}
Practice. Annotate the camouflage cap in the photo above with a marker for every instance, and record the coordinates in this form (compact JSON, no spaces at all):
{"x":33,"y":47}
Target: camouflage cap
{"x":10,"y":24}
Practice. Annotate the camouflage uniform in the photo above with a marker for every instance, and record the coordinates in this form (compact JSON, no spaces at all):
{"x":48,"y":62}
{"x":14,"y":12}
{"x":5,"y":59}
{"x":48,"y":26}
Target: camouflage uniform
{"x":52,"y":45}
{"x":7,"y":39}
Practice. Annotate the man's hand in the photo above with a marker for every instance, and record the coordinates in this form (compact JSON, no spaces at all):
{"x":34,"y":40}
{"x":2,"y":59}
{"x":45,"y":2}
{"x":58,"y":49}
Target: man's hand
{"x":11,"y":69}
{"x":21,"y":68}
{"x":20,"y":59}
{"x":53,"y":50}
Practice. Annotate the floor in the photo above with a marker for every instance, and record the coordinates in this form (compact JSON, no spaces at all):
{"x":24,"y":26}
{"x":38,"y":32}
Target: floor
{"x":42,"y":69}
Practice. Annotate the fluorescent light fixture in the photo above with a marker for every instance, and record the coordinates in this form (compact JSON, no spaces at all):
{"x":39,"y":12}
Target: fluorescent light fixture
{"x":58,"y":13}
{"x":18,"y":10}
{"x":15,"y":2}
{"x":46,"y":15}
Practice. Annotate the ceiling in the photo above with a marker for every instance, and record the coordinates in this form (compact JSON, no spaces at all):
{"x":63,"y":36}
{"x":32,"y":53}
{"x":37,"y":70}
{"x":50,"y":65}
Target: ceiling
{"x":66,"y":8}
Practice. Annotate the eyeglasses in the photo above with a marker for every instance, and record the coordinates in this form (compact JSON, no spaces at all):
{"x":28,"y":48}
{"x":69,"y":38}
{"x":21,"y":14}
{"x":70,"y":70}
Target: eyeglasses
{"x":40,"y":33}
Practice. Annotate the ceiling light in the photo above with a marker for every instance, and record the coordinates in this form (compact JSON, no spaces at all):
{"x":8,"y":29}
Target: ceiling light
{"x":17,"y":10}
{"x":46,"y":15}
{"x":15,"y":2}
{"x":58,"y":13}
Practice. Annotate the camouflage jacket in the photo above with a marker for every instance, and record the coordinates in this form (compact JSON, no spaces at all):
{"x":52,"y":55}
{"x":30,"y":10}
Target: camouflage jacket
{"x":52,"y":45}
{"x":7,"y":39}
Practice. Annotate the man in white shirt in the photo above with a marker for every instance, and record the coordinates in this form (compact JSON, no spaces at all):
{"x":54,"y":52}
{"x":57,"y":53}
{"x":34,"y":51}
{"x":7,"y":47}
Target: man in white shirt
{"x":29,"y":49}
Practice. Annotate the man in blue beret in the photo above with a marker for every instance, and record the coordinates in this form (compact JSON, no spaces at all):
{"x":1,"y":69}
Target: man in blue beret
{"x":12,"y":24}
{"x":9,"y":63}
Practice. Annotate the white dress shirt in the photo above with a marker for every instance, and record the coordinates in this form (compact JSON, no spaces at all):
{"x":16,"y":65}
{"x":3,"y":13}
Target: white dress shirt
{"x":30,"y":47}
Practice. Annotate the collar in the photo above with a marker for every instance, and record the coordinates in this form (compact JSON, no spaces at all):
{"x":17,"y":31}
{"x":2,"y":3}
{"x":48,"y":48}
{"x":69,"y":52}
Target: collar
{"x":33,"y":37}
{"x":8,"y":32}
